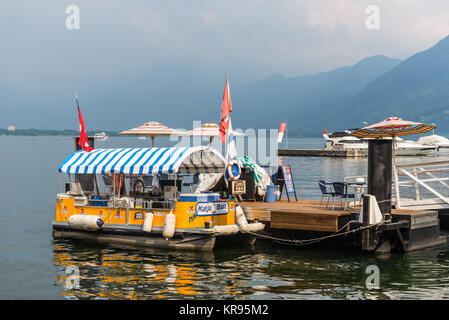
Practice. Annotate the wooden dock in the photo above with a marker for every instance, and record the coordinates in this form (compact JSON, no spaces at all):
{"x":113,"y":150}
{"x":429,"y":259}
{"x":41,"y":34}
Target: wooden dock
{"x":321,"y":153}
{"x":296,"y":215}
{"x":409,"y":229}
{"x":306,"y":222}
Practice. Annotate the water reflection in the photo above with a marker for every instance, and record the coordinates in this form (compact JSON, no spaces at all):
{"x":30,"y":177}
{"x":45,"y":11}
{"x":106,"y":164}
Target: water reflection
{"x":263,"y":272}
{"x":118,"y":272}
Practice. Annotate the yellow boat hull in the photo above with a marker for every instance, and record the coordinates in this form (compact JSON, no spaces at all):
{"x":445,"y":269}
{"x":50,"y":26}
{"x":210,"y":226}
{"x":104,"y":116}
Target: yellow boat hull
{"x":194,"y":230}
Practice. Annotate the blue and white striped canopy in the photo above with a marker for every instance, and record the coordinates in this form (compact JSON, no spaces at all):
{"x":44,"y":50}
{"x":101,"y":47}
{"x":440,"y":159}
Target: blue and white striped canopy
{"x":201,"y":159}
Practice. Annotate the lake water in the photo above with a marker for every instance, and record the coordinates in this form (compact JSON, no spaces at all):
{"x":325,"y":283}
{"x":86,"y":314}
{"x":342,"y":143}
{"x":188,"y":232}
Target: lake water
{"x":34,"y":266}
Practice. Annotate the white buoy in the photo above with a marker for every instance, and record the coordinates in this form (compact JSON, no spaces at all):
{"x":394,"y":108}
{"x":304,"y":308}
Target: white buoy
{"x":253,"y":227}
{"x":240,"y":216}
{"x":169,"y":226}
{"x":226,"y":229}
{"x":85,"y":222}
{"x":148,"y":222}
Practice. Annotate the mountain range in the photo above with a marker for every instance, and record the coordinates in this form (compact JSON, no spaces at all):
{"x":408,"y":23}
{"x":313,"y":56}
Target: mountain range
{"x":416,"y":89}
{"x":371,"y":90}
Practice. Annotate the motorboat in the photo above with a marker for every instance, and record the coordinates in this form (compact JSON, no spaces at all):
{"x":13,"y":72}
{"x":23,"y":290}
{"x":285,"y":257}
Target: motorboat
{"x":101,"y":136}
{"x":135,"y":196}
{"x":435,"y":140}
{"x":345,"y":141}
{"x":412,"y":148}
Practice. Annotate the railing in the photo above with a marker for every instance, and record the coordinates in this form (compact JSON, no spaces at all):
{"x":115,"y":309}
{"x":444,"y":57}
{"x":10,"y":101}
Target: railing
{"x":425,"y":179}
{"x":129,"y":203}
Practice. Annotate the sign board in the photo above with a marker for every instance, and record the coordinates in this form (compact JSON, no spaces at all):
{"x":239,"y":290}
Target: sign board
{"x":288,"y":179}
{"x":239,"y":187}
{"x":212,"y":208}
{"x":138,"y":215}
{"x":285,"y":178}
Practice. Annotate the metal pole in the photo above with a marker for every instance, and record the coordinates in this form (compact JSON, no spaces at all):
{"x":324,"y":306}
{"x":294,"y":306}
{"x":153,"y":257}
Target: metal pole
{"x":366,"y":234}
{"x":396,"y":187}
{"x":293,"y":183}
{"x":416,"y":185}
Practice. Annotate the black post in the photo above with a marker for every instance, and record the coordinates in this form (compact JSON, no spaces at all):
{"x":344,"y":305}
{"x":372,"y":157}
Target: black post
{"x":380,"y":160}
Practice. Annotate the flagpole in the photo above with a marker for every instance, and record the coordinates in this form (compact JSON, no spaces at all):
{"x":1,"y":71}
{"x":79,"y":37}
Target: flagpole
{"x":229,"y":115}
{"x":77,"y":106}
{"x":83,"y":140}
{"x":226,"y":135}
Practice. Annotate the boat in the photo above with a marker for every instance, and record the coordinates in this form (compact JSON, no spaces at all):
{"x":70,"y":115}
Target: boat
{"x":101,"y":136}
{"x":435,"y":140}
{"x":135,"y":196}
{"x":345,"y":141}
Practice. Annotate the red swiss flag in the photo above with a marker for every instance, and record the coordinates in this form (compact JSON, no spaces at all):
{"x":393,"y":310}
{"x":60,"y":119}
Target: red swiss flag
{"x":82,"y":141}
{"x":226,"y":109}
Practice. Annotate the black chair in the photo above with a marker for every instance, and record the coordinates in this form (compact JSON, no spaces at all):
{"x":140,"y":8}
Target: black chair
{"x":340,"y":191}
{"x":325,"y":191}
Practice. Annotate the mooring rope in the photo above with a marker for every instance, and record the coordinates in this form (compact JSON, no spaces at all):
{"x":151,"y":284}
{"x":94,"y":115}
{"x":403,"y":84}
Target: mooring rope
{"x":314,"y":240}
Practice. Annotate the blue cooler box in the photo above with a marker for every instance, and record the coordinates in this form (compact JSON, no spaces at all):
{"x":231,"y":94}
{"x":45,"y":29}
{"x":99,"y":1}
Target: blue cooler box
{"x":198,"y":197}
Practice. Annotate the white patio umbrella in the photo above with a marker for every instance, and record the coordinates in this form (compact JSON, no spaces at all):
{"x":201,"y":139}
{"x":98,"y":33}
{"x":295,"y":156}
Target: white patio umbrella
{"x":151,"y":129}
{"x":208,"y":129}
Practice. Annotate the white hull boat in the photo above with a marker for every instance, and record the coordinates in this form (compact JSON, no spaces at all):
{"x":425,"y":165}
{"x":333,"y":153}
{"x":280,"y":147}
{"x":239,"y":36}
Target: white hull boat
{"x":345,"y":141}
{"x":435,"y":140}
{"x":101,"y":136}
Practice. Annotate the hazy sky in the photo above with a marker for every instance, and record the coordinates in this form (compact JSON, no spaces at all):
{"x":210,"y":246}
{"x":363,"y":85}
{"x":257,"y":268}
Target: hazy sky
{"x":40,"y":58}
{"x":258,"y":37}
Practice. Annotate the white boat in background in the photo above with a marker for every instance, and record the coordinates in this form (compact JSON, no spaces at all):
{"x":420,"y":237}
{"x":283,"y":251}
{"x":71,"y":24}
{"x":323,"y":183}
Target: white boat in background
{"x":101,"y":136}
{"x":346,"y":141}
{"x":412,"y":148}
{"x":435,"y":140}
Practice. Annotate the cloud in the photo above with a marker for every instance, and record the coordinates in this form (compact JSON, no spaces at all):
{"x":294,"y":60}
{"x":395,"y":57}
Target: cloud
{"x":262,"y":37}
{"x":210,"y":17}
